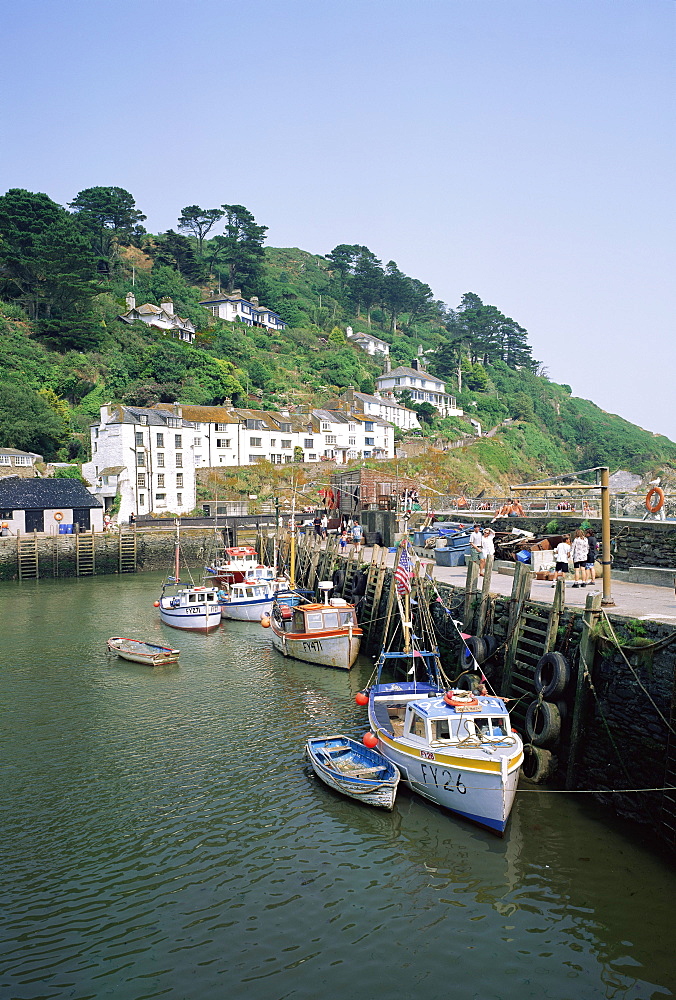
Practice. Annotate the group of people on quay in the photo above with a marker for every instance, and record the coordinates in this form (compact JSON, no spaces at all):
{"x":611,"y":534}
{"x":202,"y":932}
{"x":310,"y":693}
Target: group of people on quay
{"x":482,"y":545}
{"x":583,"y":551}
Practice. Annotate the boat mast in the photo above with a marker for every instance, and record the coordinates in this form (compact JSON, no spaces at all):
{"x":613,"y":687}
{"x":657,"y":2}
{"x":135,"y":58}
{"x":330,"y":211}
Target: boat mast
{"x":176,"y":552}
{"x":292,"y":553}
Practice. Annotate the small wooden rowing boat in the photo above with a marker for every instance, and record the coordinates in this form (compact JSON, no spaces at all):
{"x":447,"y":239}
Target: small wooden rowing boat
{"x":353,"y":770}
{"x":142,"y":652}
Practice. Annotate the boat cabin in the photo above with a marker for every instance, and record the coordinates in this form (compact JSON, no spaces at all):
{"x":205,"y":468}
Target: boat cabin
{"x":428,"y":720}
{"x":308,"y":618}
{"x":194,"y":595}
{"x":248,"y":591}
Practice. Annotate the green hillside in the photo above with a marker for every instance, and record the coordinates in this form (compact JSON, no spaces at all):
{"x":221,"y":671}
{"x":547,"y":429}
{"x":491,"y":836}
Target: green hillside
{"x":64,"y":276}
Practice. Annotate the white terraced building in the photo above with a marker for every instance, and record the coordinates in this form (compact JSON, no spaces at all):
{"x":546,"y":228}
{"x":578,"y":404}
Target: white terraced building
{"x":423,"y":387}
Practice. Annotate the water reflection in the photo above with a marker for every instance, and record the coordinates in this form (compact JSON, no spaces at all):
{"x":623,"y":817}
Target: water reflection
{"x":164,"y":838}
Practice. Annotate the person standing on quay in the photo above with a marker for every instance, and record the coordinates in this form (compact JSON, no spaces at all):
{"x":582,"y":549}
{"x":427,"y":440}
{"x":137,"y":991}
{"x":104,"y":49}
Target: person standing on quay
{"x":487,"y":548}
{"x":562,"y":553}
{"x":592,"y":553}
{"x":475,"y":543}
{"x":578,"y":552}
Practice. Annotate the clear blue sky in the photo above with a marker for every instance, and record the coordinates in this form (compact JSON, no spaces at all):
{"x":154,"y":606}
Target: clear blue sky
{"x":519,"y":149}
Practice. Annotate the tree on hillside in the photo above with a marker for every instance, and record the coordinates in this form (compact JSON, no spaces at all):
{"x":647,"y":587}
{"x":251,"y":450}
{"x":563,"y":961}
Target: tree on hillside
{"x":199,"y":222}
{"x":240,"y":249}
{"x":397,"y":293}
{"x":28,"y":422}
{"x":421,"y":304}
{"x":47,"y":265}
{"x":109,"y":218}
{"x":366,"y":284}
{"x":173,"y":250}
{"x":342,"y":260}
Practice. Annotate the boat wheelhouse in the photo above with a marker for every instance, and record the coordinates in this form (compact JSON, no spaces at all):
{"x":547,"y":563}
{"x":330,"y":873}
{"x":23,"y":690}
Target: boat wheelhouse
{"x":250,"y":600}
{"x":236,"y":564}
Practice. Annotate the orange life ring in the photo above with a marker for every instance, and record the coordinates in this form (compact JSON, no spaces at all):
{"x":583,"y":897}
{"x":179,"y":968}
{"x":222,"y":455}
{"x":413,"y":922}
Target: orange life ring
{"x":654,"y":508}
{"x":455,"y":701}
{"x":58,"y":516}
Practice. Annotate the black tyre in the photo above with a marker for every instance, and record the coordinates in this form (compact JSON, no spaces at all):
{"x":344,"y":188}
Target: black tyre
{"x":492,"y":644}
{"x":543,"y":723}
{"x":474,"y":648}
{"x":338,"y":580}
{"x":358,"y":584}
{"x":538,"y":764}
{"x":552,"y":675}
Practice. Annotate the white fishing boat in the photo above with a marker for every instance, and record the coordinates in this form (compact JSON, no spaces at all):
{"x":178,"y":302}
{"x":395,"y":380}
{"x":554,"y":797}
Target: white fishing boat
{"x":236,"y":564}
{"x":454,"y":747}
{"x":196,"y":609}
{"x":250,"y":600}
{"x":353,"y":770}
{"x":142,"y":652}
{"x":326,"y":634}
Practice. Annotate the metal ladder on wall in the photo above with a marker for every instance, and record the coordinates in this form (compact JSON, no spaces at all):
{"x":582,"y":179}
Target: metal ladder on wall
{"x":84,"y":554}
{"x":27,"y":558}
{"x":127,"y":552}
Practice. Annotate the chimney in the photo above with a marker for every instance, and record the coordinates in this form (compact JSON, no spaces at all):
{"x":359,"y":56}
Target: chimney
{"x":387,"y":365}
{"x":254,"y":300}
{"x":131,"y":301}
{"x":168,"y":306}
{"x":415,"y":365}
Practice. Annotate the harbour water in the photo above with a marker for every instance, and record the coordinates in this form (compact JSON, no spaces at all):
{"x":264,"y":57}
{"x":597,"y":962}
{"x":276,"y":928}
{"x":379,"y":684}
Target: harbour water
{"x":162,"y":837}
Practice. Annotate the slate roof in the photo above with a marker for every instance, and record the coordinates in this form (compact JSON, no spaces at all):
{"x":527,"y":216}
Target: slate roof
{"x":44,"y":494}
{"x":412,"y":373}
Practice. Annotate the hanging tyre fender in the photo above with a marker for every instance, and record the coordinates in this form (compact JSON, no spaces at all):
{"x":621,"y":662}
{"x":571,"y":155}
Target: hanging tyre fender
{"x":491,"y":644}
{"x":468,"y":682}
{"x":552,"y":675}
{"x":543,"y":723}
{"x":538,"y":763}
{"x":338,"y":579}
{"x":358,"y":584}
{"x":473,"y":647}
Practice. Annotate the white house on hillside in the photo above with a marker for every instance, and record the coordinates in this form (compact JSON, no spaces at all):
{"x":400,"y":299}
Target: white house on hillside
{"x":231,"y":307}
{"x":147,"y":456}
{"x":372,"y":345}
{"x":378,"y":406}
{"x":423,"y":387}
{"x":160,"y":317}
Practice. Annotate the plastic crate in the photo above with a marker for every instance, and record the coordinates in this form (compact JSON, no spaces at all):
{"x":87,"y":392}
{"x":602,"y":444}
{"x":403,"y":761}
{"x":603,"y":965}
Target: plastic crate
{"x":449,"y":557}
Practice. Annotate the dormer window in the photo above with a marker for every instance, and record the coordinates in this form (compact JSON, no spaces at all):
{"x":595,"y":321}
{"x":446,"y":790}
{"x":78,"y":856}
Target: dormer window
{"x":143,"y":418}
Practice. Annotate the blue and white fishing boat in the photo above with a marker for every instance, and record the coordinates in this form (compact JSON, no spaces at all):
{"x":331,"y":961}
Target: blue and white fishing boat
{"x":248,"y":601}
{"x":353,"y":770}
{"x":196,"y":609}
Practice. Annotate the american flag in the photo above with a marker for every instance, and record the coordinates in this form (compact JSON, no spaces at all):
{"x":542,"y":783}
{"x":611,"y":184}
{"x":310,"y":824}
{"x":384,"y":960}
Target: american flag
{"x":402,"y":575}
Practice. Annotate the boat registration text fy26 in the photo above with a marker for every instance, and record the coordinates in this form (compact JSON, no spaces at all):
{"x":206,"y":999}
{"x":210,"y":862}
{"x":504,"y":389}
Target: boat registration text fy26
{"x":442,"y":778}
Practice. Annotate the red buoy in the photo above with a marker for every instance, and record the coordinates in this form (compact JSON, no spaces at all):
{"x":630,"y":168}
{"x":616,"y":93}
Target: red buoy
{"x":369,"y":740}
{"x":156,"y":604}
{"x":361,"y":698}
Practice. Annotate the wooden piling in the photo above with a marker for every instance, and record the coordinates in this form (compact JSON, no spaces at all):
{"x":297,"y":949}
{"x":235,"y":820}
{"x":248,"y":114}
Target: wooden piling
{"x":592,"y":613}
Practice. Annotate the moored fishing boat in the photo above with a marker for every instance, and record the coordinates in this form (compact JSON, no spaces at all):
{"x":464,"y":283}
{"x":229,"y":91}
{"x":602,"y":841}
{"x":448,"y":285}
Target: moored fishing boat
{"x":354,"y":770}
{"x":326,"y":634}
{"x":142,"y":652}
{"x":248,"y":601}
{"x":195,"y":609}
{"x":454,"y":747}
{"x":237,"y":564}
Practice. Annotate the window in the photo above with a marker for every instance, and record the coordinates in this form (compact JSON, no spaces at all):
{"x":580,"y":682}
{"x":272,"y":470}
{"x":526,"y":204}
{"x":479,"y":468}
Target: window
{"x":7,"y":514}
{"x":273,"y":443}
{"x":285,"y":428}
{"x":397,"y":381}
{"x":141,"y":499}
{"x":173,"y":422}
{"x":367,"y":454}
{"x":160,"y":440}
{"x":179,"y":499}
{"x":286,"y":442}
{"x":179,"y":479}
{"x":160,"y":496}
{"x":179,"y":460}
{"x":140,"y":458}
{"x":368,"y":425}
{"x":330,"y":438}
{"x":143,"y":419}
{"x":254,"y":425}
{"x":351,"y":427}
{"x":178,"y":440}
{"x":139,"y":439}
{"x":326,"y":426}
{"x":5,"y":460}
{"x":352,"y":440}
{"x":312,"y":457}
{"x":256,"y":442}
{"x":308,"y":443}
{"x":369,"y":441}
{"x":288,"y":459}
{"x":160,"y":480}
{"x":160,"y":460}
{"x":221,"y":427}
{"x":222,"y":442}
{"x":417,"y":726}
{"x":197,"y":442}
{"x":141,"y":479}
{"x":22,"y":460}
{"x":95,"y":448}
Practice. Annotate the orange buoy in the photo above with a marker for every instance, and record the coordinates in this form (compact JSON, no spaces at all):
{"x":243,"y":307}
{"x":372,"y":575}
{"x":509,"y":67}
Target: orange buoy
{"x":369,"y":740}
{"x":156,"y":604}
{"x":659,"y":504}
{"x":265,"y":621}
{"x":361,"y":698}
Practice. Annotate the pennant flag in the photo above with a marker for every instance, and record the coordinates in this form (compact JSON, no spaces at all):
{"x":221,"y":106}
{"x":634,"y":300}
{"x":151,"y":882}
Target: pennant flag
{"x":402,"y":575}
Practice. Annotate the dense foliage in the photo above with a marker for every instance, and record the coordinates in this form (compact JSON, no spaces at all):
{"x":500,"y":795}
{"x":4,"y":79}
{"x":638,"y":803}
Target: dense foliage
{"x":64,"y":276}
